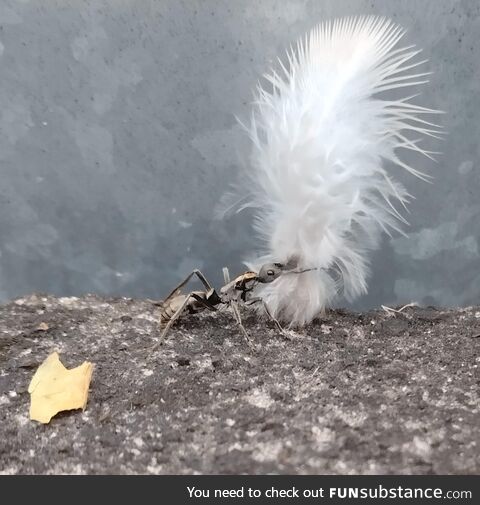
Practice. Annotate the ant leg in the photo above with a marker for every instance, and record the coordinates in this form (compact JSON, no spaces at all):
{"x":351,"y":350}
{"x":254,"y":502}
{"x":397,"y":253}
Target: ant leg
{"x":238,"y":318}
{"x":176,"y":292}
{"x":203,"y":279}
{"x":275,"y":321}
{"x":236,"y":310}
{"x":203,"y":302}
{"x":175,"y":316}
{"x":226,"y":275}
{"x":196,"y":272}
{"x":267,"y":311}
{"x":178,"y":313}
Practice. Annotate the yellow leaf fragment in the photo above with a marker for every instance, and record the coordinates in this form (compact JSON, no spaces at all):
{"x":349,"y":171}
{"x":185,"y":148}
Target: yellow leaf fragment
{"x":53,"y":388}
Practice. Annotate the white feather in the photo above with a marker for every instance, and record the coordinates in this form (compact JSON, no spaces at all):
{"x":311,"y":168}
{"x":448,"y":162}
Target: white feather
{"x":320,"y":138}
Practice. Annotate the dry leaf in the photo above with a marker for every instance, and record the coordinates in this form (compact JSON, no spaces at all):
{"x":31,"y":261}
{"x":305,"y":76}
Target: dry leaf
{"x":53,"y":388}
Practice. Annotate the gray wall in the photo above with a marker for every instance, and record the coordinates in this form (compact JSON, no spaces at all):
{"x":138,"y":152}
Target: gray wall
{"x":117,"y":136}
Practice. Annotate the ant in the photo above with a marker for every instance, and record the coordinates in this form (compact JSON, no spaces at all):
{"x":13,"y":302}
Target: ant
{"x":235,"y":291}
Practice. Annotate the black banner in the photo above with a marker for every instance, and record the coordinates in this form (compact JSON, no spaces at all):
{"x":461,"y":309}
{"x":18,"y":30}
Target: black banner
{"x":196,"y":490}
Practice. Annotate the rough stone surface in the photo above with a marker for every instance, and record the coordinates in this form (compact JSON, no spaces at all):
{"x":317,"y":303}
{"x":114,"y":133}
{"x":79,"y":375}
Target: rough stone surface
{"x":369,"y":393}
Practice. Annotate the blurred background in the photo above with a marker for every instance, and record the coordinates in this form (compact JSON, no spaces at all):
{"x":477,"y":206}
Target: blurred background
{"x":118,"y":137}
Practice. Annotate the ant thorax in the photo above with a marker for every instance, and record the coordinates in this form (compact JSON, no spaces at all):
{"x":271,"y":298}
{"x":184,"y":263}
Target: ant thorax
{"x":239,"y":289}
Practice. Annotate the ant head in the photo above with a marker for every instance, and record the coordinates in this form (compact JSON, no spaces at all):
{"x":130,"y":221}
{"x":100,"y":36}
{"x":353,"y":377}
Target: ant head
{"x":270,"y":271}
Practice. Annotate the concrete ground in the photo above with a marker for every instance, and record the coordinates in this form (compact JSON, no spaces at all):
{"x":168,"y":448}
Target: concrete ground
{"x":354,"y":393}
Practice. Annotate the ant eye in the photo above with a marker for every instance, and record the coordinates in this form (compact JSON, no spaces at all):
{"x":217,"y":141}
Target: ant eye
{"x":270,"y":272}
